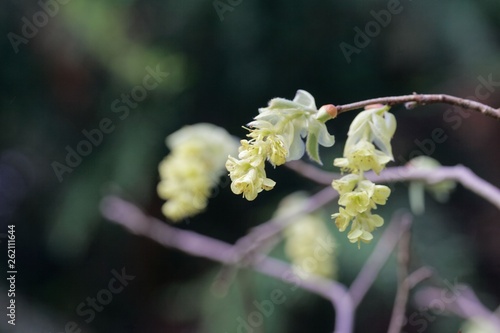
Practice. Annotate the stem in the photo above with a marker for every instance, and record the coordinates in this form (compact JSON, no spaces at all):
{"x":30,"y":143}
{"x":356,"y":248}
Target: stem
{"x":378,"y":258}
{"x":263,"y":237}
{"x":465,"y":304}
{"x":132,"y":218}
{"x":458,"y":173}
{"x":422,"y":99}
{"x":399,"y":309}
{"x":402,"y":295}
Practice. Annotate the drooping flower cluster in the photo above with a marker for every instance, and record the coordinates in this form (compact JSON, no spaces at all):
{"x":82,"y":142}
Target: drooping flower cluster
{"x":308,"y":242}
{"x":358,"y":200}
{"x":276,"y":135}
{"x":368,"y":147}
{"x":192,"y":168}
{"x":440,"y":190}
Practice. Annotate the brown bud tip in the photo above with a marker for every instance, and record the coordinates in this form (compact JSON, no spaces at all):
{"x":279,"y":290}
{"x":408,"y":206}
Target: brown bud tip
{"x":374,"y":106}
{"x":330,"y":109}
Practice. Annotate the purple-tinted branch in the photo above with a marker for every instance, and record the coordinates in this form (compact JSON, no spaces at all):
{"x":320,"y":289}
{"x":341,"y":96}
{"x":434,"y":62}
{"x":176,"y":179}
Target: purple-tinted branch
{"x":421,"y":99}
{"x":419,"y":275}
{"x":465,"y":304}
{"x":399,"y":224}
{"x":263,"y":237}
{"x":263,"y":234}
{"x":458,"y":173}
{"x":134,"y":220}
{"x":399,"y":309}
{"x":405,"y":284}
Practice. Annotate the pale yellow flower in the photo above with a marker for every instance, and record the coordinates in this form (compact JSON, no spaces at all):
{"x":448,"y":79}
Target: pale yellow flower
{"x":308,"y":242}
{"x":362,"y":227}
{"x":248,"y":176}
{"x":363,"y":156}
{"x":346,"y":183}
{"x":342,"y":219}
{"x":251,"y":182}
{"x":355,"y":202}
{"x":276,"y":135}
{"x":277,"y":151}
{"x":358,"y":196}
{"x":192,"y":168}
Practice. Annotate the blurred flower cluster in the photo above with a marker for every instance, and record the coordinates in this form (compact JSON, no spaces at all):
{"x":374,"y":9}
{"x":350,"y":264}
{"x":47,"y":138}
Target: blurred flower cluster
{"x":440,"y":190}
{"x":193,"y":168}
{"x":308,"y":243}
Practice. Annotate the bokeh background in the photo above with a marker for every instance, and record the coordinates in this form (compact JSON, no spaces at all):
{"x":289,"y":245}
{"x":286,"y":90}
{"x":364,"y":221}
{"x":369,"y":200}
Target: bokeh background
{"x":224,"y":60}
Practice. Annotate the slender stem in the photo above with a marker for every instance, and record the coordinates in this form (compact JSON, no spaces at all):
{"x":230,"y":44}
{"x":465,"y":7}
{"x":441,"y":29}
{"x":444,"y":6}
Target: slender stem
{"x":132,"y":218}
{"x":264,"y":233}
{"x":265,"y":236}
{"x":464,"y":303}
{"x":418,"y":276}
{"x":422,"y":99}
{"x":402,"y":295}
{"x":390,"y":238}
{"x":399,"y":309}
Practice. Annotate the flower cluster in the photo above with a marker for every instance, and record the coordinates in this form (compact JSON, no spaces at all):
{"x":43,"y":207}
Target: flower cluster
{"x":308,"y":242}
{"x":358,"y":199}
{"x":367,"y":148}
{"x":276,"y":136}
{"x":193,"y":168}
{"x":440,"y":190}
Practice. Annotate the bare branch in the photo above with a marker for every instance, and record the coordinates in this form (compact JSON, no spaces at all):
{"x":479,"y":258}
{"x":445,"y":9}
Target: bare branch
{"x":464,"y":303}
{"x":370,"y":270}
{"x":405,"y":284}
{"x":419,"y":275}
{"x":264,"y":233}
{"x":458,"y":173}
{"x":133,"y":219}
{"x":422,"y":99}
{"x":263,"y":237}
{"x":399,"y":309}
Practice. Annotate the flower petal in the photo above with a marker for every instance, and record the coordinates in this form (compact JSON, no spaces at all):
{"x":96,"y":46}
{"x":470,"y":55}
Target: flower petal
{"x":306,"y":100}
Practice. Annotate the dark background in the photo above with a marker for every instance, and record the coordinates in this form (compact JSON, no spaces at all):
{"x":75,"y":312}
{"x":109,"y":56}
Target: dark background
{"x":224,"y":64}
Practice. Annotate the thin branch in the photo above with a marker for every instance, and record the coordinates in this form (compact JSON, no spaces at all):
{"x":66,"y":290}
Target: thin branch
{"x":133,"y":219}
{"x":422,"y":99}
{"x":405,"y":284}
{"x":458,"y":173}
{"x":263,"y":237}
{"x":419,"y":275}
{"x":370,"y":270}
{"x":264,"y":233}
{"x":399,"y":309}
{"x":464,"y":303}
{"x":312,"y":172}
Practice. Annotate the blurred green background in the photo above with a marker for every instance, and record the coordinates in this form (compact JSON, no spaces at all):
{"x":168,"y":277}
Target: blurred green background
{"x":68,"y":66}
